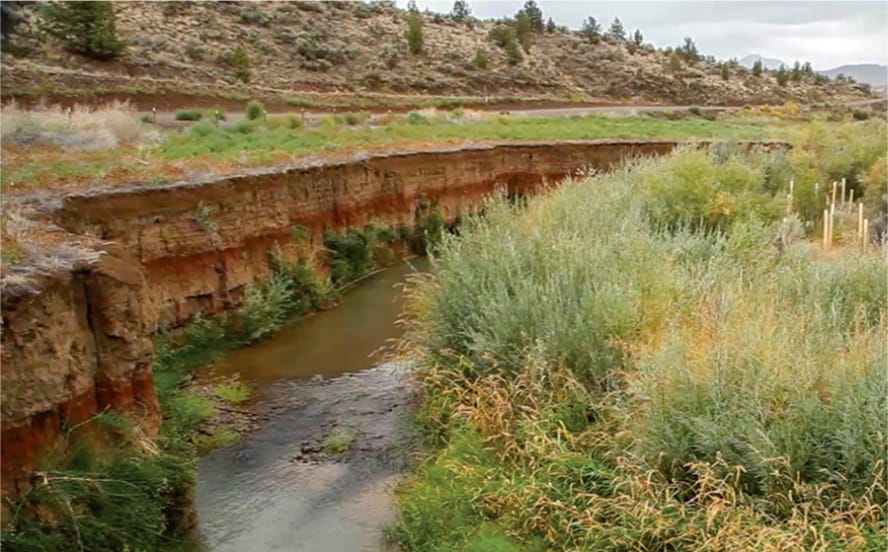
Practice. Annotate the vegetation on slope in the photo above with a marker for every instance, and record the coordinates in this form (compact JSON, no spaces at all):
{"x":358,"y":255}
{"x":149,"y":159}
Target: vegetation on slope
{"x":652,"y":360}
{"x":355,"y":46}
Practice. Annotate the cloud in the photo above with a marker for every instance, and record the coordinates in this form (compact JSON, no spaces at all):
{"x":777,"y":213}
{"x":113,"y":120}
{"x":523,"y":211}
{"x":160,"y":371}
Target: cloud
{"x":827,"y":34}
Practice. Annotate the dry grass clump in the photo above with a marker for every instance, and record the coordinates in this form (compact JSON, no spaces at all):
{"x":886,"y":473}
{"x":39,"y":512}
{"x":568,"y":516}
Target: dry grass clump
{"x":597,"y":377}
{"x":81,"y":127}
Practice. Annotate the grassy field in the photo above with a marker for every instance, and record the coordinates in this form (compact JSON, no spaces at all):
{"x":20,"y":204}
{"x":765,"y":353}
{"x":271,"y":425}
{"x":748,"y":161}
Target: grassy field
{"x":657,"y":359}
{"x":51,"y":150}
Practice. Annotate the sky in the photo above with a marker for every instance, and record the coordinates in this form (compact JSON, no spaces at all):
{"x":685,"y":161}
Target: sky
{"x":827,"y":34}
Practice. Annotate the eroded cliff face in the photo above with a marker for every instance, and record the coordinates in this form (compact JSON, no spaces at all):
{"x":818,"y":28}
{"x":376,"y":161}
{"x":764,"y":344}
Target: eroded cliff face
{"x":80,"y":341}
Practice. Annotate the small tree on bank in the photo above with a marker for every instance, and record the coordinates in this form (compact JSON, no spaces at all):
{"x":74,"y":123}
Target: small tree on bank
{"x":86,"y":28}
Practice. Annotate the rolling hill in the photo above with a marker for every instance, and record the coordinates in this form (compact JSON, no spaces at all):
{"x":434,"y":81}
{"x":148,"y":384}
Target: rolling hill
{"x":293,"y":48}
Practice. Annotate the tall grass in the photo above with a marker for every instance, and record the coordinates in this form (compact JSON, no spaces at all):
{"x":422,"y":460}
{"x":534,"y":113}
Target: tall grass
{"x":83,"y":128}
{"x":613,"y":368}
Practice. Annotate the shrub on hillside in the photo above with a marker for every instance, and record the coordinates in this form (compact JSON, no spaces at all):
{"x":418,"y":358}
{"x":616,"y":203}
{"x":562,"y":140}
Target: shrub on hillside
{"x":240,"y":62}
{"x":414,"y":33}
{"x":417,"y":118}
{"x":86,"y":28}
{"x":523,"y":30}
{"x":480,"y":60}
{"x":502,"y":35}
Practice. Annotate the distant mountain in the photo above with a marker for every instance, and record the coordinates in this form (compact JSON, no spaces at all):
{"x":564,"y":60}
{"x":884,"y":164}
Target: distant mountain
{"x":769,"y":63}
{"x":869,"y":73}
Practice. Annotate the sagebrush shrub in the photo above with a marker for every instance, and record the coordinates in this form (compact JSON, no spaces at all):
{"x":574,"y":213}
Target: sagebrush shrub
{"x":255,"y":110}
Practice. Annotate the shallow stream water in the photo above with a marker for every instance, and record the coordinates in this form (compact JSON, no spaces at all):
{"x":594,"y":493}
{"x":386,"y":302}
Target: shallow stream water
{"x":279,"y":488}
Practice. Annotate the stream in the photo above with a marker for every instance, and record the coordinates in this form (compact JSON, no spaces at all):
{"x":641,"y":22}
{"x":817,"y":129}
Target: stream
{"x":282,"y":487}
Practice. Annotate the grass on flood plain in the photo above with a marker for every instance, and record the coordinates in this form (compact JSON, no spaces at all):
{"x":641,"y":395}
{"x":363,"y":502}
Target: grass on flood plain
{"x":30,"y":163}
{"x":617,"y":366}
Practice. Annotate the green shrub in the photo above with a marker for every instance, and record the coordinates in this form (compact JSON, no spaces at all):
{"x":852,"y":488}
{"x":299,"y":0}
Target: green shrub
{"x":240,"y":62}
{"x":414,"y":32}
{"x":354,"y":119}
{"x":480,"y":60}
{"x":513,"y":54}
{"x":86,"y":28}
{"x":427,"y":233}
{"x":244,"y":127}
{"x":695,"y":111}
{"x":255,"y":110}
{"x":699,"y":189}
{"x":860,"y":115}
{"x":204,"y":129}
{"x":292,"y":122}
{"x":523,"y":30}
{"x":350,"y":254}
{"x":416,"y":118}
{"x":502,"y":35}
{"x":189,"y":115}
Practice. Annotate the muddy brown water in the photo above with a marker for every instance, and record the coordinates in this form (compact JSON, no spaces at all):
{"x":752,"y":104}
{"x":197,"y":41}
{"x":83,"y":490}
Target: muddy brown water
{"x":281,"y":488}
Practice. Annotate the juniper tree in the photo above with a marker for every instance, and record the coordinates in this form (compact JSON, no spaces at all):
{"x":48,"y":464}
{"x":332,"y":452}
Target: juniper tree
{"x":591,"y":29}
{"x":616,"y":31}
{"x":523,"y":30}
{"x":86,"y":28}
{"x":757,"y":68}
{"x":534,"y":15}
{"x":414,"y":29}
{"x":460,"y":11}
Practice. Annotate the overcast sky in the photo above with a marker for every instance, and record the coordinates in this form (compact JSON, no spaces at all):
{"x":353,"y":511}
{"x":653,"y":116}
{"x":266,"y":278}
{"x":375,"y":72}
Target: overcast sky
{"x":827,"y":34}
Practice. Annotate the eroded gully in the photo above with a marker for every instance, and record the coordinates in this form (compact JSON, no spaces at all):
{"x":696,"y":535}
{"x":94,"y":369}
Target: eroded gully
{"x":281,"y":488}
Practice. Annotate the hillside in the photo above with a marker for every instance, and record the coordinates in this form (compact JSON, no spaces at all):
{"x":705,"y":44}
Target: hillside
{"x":298,"y":48}
{"x":869,"y":73}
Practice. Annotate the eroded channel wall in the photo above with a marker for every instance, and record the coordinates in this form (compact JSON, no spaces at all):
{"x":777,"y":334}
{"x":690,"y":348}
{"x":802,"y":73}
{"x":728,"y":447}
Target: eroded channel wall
{"x":79,"y":341}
